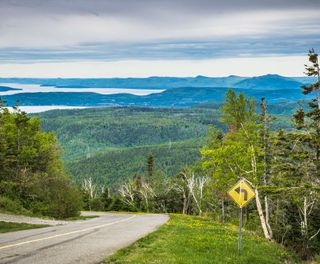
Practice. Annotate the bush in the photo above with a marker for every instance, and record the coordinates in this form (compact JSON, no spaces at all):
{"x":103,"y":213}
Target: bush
{"x":32,"y":175}
{"x":14,"y":206}
{"x":97,"y":204}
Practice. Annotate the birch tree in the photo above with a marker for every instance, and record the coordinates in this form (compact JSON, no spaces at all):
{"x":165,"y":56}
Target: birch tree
{"x":265,"y":141}
{"x":181,"y":185}
{"x":196,"y":187}
{"x":127,"y":195}
{"x":90,"y":189}
{"x":240,"y":152}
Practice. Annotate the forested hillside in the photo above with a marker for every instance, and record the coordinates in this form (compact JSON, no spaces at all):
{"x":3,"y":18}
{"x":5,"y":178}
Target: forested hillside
{"x":86,"y":131}
{"x":115,"y":166}
{"x":112,"y":144}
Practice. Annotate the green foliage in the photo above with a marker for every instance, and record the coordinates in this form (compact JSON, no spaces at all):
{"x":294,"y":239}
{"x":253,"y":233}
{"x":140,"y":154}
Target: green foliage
{"x":186,"y":239}
{"x":237,"y":110}
{"x":97,"y":204}
{"x":31,"y":173}
{"x":11,"y":227}
{"x":227,"y":158}
{"x":8,"y":205}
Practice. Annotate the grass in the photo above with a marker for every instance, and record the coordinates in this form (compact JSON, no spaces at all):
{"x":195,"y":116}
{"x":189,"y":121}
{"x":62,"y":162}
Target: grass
{"x":188,"y":239}
{"x":10,"y":227}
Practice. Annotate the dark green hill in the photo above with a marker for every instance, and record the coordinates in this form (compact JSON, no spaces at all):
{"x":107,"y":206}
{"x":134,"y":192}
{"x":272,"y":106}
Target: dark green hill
{"x":85,"y":131}
{"x":111,"y":167}
{"x":112,"y":144}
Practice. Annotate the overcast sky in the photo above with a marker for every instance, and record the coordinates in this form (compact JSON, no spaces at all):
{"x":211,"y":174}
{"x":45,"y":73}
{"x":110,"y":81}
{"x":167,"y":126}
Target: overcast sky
{"x":105,"y":38}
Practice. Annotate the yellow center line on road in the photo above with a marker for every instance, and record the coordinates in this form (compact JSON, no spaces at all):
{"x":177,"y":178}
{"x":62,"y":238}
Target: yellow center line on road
{"x":66,"y":234}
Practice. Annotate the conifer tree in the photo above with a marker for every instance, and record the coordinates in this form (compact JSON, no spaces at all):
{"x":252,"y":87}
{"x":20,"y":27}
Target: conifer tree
{"x":150,"y":166}
{"x":297,"y":167}
{"x":237,"y":110}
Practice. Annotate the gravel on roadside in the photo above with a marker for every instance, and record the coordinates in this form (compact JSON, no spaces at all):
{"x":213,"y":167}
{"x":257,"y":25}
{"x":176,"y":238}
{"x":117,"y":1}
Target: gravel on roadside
{"x":30,"y":220}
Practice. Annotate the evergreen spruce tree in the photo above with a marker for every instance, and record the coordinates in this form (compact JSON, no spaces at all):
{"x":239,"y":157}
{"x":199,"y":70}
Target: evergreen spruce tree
{"x":150,"y":166}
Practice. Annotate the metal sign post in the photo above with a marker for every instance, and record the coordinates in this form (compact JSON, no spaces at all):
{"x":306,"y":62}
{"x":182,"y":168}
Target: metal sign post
{"x":240,"y":233}
{"x":242,"y":193}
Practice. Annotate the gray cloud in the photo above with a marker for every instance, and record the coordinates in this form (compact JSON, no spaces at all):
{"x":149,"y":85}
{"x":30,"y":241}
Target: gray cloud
{"x":133,"y":7}
{"x":149,"y":29}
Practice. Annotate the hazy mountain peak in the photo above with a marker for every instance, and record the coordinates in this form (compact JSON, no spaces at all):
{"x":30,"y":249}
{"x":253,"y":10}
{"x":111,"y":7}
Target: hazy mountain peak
{"x":269,"y":82}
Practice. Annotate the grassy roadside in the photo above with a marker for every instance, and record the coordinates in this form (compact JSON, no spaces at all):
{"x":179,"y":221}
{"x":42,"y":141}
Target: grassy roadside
{"x":187,"y":239}
{"x":10,"y":227}
{"x":24,"y":212}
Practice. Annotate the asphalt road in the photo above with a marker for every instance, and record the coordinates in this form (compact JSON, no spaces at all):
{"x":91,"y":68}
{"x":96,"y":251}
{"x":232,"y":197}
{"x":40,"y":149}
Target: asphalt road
{"x":88,"y":241}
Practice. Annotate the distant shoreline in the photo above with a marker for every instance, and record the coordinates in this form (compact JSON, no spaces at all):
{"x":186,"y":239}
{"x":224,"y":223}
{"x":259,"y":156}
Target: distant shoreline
{"x":44,"y":108}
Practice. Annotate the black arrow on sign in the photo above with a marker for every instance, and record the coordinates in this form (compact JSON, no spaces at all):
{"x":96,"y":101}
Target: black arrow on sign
{"x":239,"y":190}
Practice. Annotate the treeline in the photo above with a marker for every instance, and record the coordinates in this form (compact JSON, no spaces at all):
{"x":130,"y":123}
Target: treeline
{"x":32,"y":177}
{"x":283,"y":167}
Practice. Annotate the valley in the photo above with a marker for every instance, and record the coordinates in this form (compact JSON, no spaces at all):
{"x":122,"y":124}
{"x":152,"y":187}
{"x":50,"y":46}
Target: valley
{"x":111,"y":145}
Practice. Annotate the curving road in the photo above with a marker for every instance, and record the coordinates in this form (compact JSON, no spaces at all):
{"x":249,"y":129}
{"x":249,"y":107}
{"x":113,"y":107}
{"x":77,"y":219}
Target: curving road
{"x":88,"y":241}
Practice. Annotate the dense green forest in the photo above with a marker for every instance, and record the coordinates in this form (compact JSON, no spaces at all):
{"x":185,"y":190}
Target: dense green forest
{"x":90,"y":130}
{"x":115,"y":166}
{"x":32,"y":177}
{"x":92,"y":138}
{"x":112,"y":144}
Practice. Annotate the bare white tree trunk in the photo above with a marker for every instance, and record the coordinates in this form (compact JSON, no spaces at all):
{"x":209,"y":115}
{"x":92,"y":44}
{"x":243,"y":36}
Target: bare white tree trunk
{"x":147,"y":193}
{"x":265,"y":226}
{"x":266,"y":206}
{"x":304,"y":212}
{"x":266,"y":149}
{"x":182,"y":187}
{"x":261,"y":216}
{"x":90,"y":188}
{"x":126,"y":193}
{"x":184,"y":208}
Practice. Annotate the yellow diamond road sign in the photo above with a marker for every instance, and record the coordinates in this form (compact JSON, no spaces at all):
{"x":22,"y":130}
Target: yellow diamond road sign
{"x":242,"y":193}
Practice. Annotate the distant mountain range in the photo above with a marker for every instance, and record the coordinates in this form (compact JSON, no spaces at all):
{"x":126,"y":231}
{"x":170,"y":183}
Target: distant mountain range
{"x":180,"y":92}
{"x":270,"y":81}
{"x":179,"y":97}
{"x":6,"y":88}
